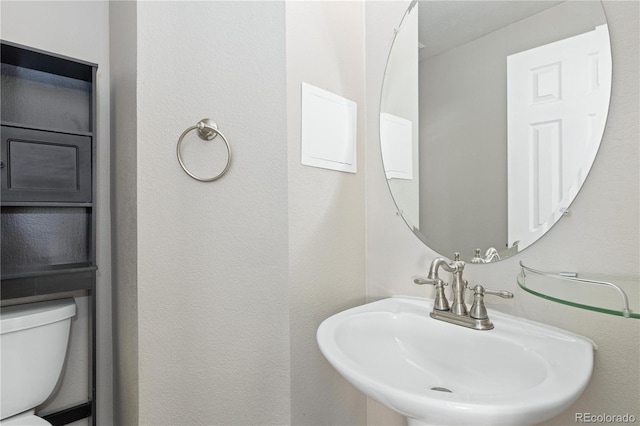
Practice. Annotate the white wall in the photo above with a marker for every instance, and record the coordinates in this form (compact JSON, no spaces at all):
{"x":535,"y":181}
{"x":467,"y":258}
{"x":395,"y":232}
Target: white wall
{"x":78,"y":30}
{"x":601,"y":235}
{"x":233,"y":277}
{"x":213,"y":331}
{"x":325,"y":48}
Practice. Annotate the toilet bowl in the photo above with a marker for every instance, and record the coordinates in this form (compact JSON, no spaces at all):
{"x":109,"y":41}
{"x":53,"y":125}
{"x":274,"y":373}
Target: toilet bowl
{"x":33,"y":347}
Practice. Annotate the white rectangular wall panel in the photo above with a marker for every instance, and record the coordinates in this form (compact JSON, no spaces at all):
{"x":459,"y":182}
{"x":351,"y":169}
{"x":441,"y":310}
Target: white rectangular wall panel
{"x":328,"y":130}
{"x":396,"y":137}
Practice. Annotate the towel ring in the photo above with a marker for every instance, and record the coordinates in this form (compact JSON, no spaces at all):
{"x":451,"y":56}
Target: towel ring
{"x":207,"y":130}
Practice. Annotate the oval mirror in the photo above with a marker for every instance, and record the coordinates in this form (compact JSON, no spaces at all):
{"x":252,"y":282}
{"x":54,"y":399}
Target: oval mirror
{"x":491,"y":116}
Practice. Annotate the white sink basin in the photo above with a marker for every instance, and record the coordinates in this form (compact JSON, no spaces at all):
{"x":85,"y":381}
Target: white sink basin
{"x":519,"y":373}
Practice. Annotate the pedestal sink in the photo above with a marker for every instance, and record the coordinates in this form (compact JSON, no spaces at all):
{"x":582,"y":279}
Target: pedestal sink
{"x":520,"y":373}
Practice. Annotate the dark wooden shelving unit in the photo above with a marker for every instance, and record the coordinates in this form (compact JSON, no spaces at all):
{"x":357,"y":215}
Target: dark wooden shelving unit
{"x":48,"y":186}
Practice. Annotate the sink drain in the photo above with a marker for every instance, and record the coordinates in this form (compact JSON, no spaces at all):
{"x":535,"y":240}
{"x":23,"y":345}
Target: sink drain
{"x":441,"y":389}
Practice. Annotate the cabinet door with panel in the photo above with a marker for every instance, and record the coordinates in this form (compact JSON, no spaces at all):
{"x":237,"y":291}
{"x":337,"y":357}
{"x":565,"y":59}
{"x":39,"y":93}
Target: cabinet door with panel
{"x":43,"y":166}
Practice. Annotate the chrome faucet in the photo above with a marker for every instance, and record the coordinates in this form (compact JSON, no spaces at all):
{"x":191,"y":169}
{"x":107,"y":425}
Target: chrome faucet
{"x":477,"y":318}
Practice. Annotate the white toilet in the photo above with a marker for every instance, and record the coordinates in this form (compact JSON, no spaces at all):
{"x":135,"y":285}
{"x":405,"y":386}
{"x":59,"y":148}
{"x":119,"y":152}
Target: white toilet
{"x":33,"y":346}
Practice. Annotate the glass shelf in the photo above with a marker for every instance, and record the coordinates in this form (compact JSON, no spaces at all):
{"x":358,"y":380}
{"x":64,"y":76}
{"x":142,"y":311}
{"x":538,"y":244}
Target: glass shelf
{"x":621,"y":299}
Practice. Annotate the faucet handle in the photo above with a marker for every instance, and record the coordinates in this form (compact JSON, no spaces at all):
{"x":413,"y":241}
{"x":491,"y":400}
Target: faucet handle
{"x":440,"y":302}
{"x":478,"y":309}
{"x":500,"y":293}
{"x":435,"y":281}
{"x":481,"y":289}
{"x":478,"y":257}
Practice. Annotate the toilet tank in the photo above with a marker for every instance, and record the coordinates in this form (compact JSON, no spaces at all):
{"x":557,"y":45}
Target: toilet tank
{"x":33,"y":347}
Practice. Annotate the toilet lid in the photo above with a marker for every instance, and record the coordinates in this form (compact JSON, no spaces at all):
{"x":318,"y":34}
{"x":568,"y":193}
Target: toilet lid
{"x":25,"y":421}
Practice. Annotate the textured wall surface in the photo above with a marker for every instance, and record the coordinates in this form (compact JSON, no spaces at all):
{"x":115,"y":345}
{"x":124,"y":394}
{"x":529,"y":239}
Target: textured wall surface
{"x":325,"y":48}
{"x":600,"y":237}
{"x":232,"y":278}
{"x":78,"y":30}
{"x":213,"y":337}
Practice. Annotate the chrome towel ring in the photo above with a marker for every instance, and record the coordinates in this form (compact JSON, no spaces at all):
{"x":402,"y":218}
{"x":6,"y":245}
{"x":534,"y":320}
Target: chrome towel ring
{"x":207,"y":130}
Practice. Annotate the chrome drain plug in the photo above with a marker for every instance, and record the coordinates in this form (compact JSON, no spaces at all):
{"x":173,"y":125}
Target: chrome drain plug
{"x":441,"y":389}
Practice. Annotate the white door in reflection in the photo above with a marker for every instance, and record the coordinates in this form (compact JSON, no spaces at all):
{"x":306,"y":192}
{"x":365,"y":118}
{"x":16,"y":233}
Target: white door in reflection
{"x":557,"y":98}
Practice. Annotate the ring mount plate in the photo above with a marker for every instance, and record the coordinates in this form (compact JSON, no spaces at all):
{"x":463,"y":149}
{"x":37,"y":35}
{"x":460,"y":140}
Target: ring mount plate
{"x":207,"y":129}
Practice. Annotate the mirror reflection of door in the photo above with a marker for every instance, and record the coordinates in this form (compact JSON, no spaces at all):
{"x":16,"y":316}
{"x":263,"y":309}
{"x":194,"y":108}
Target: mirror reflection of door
{"x":447,"y":76}
{"x":557,"y":107}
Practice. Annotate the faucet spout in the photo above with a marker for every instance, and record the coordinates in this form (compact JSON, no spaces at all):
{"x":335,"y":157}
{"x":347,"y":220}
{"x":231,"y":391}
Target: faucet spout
{"x":440,"y":262}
